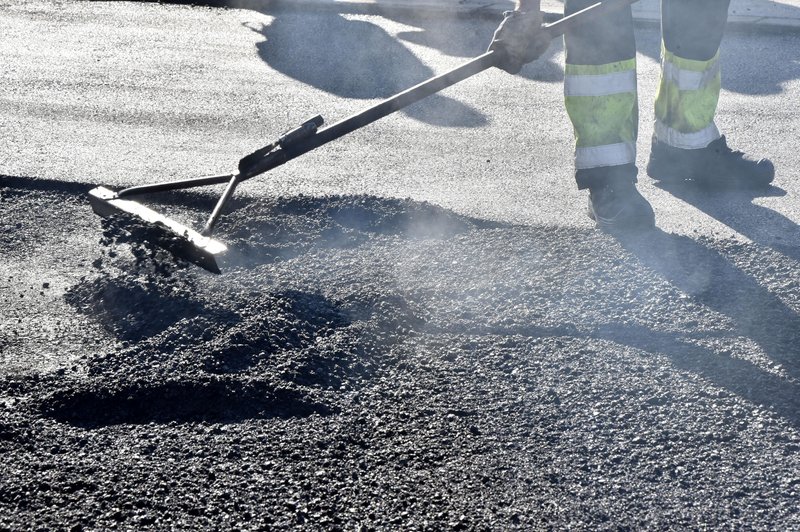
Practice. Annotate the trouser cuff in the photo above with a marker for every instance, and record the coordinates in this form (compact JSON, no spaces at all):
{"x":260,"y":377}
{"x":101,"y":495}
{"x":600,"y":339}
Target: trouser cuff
{"x":606,"y":175}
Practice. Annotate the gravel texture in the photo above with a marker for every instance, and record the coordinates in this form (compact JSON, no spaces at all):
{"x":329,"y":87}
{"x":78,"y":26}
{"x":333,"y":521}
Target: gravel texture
{"x":367,"y":362}
{"x":375,"y":363}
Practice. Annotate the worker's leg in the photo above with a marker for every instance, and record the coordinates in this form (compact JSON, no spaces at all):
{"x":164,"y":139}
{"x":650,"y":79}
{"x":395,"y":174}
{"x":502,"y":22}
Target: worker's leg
{"x":690,"y":75}
{"x":601,"y":100}
{"x":687,"y":143}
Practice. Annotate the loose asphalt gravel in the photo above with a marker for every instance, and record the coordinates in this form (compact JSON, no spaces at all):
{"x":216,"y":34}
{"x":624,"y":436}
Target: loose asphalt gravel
{"x":368,"y":363}
{"x":372,"y":362}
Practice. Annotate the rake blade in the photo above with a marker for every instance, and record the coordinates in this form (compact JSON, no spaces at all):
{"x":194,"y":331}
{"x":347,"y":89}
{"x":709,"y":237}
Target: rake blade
{"x":175,"y":237}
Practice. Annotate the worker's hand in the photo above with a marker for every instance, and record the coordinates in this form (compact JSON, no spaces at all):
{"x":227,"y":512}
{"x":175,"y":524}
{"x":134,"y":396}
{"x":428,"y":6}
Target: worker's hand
{"x":519,"y":39}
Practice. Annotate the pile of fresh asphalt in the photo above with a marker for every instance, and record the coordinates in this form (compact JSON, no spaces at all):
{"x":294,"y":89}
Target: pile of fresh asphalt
{"x":372,"y":363}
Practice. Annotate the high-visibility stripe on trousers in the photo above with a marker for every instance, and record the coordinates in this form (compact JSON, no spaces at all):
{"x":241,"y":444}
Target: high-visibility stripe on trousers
{"x":601,"y":101}
{"x":686,"y":101}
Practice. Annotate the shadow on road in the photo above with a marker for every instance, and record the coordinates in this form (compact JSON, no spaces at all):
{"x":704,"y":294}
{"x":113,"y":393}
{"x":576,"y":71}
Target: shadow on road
{"x":737,"y":210}
{"x":44,"y":185}
{"x":461,"y":36}
{"x":355,"y":59}
{"x":710,"y":279}
{"x":456,"y":35}
{"x":733,"y":374}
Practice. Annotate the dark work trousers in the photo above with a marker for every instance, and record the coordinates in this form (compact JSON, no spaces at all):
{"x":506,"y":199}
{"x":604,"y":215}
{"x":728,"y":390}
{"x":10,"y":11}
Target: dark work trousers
{"x":691,"y":29}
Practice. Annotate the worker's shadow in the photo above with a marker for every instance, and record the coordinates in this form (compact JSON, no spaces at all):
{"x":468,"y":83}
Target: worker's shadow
{"x":754,"y":315}
{"x":468,"y":36}
{"x":355,"y":59}
{"x":737,"y":210}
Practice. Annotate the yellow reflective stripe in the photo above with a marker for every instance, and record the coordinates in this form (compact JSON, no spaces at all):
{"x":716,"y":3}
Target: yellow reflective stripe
{"x":600,"y":84}
{"x":687,"y":141}
{"x":608,"y":155}
{"x":688,"y":93}
{"x":690,"y":80}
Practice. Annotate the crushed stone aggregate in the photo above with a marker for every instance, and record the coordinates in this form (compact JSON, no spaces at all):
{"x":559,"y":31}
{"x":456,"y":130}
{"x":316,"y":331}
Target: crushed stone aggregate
{"x":382,"y":363}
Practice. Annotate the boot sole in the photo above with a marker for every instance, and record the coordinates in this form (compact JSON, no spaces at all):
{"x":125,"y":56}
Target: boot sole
{"x":708,"y":184}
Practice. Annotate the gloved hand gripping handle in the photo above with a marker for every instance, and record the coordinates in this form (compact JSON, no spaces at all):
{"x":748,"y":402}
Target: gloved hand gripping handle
{"x":522,"y":37}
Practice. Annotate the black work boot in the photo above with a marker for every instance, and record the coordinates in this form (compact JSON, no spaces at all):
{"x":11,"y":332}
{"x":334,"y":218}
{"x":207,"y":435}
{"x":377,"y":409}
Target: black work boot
{"x":715,"y":167}
{"x":614,"y":202}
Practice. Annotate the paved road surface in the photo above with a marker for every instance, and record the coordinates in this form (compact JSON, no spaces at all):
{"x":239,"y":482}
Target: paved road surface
{"x":486,"y":359}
